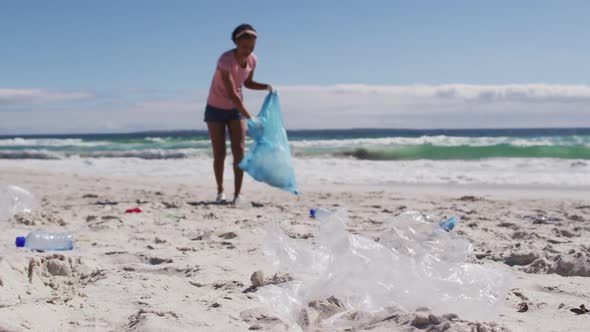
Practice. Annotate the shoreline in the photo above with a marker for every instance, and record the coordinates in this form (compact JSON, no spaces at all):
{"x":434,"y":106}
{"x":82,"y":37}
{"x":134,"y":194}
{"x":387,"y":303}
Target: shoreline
{"x":448,"y":189}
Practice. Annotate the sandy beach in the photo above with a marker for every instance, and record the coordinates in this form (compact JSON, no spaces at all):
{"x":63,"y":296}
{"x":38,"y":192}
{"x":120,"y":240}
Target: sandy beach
{"x":185,"y":264}
{"x":408,"y":166}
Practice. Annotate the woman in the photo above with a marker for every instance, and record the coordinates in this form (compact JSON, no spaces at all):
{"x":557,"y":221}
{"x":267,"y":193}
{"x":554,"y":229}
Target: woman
{"x":225,"y":108}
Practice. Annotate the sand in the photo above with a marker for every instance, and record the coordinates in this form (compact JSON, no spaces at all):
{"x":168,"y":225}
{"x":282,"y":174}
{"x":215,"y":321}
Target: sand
{"x":186,"y":264}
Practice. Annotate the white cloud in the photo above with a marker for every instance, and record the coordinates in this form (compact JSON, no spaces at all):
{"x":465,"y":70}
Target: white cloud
{"x":313,"y":107}
{"x":28,"y":96}
{"x":436,"y":106}
{"x":465,"y":92}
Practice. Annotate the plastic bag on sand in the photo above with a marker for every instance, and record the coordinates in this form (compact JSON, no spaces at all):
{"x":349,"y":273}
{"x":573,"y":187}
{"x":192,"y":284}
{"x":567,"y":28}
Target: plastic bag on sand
{"x":14,"y":200}
{"x":269,"y":158}
{"x":414,"y":264}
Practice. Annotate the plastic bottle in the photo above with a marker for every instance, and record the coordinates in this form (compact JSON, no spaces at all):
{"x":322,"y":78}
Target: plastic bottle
{"x":449,"y":224}
{"x":40,"y":240}
{"x":319,"y":213}
{"x":14,"y":200}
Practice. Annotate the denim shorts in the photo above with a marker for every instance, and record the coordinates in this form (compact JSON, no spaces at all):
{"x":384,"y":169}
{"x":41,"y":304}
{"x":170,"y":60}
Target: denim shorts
{"x":214,"y":114}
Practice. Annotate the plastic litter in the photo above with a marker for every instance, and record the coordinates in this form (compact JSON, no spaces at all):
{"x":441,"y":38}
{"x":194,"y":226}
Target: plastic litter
{"x":449,"y":224}
{"x":134,"y":210}
{"x":15,"y":200}
{"x":40,"y":240}
{"x":320,"y":212}
{"x":268,"y":159}
{"x":541,"y":219}
{"x":414,"y":264}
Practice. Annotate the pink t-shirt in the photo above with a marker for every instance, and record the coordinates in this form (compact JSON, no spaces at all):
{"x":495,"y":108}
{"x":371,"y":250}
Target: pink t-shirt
{"x":218,"y":96}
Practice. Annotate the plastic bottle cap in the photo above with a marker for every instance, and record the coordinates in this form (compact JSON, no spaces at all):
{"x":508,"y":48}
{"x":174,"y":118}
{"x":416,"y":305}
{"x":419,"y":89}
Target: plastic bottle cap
{"x":312,"y":213}
{"x":20,"y":241}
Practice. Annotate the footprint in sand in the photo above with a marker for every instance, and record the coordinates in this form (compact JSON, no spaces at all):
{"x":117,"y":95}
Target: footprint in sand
{"x":228,"y":235}
{"x":260,"y":318}
{"x":158,"y":260}
{"x":521,"y":258}
{"x":574,"y":264}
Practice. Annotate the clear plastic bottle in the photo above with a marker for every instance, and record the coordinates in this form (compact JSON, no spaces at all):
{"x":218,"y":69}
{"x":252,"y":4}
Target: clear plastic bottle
{"x":319,"y":213}
{"x":449,"y":224}
{"x":40,"y":240}
{"x":14,"y":200}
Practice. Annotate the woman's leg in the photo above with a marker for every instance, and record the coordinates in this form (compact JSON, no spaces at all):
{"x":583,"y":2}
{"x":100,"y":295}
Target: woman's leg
{"x":237,"y":136}
{"x":217,"y":135}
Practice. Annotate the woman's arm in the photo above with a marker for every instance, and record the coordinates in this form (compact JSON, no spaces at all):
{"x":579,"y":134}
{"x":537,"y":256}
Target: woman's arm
{"x":252,"y":85}
{"x":229,"y":84}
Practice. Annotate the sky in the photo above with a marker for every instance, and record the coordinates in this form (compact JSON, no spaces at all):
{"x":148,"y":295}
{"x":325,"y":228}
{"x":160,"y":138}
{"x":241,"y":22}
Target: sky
{"x":123,"y":66}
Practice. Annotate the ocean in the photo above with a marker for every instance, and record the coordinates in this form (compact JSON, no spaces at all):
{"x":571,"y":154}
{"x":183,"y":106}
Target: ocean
{"x":550,"y":156}
{"x":363,"y":144}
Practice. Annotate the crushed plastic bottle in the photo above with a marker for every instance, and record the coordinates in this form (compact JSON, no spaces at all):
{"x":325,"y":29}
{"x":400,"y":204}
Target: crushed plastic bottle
{"x":40,"y":240}
{"x":414,"y":264}
{"x":14,"y":200}
{"x":449,"y":224}
{"x":319,"y":213}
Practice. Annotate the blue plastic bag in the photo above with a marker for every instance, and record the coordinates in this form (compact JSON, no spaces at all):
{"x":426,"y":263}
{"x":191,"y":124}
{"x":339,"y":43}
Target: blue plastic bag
{"x":268,"y":160}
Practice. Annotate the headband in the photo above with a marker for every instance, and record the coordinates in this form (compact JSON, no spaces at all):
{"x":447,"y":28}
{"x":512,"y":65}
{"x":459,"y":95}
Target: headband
{"x":245,"y":32}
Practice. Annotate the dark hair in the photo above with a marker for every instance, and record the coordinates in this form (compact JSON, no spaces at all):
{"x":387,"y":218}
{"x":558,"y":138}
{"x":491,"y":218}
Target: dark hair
{"x":241,"y":28}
